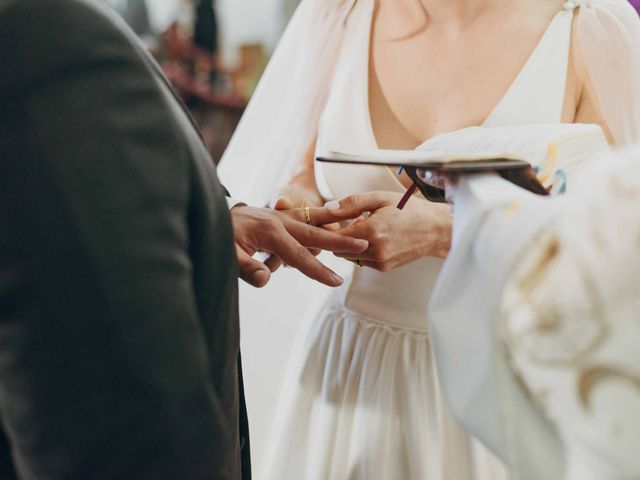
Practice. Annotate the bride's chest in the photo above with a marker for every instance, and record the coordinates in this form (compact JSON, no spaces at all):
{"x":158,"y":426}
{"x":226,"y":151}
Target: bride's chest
{"x":430,"y":84}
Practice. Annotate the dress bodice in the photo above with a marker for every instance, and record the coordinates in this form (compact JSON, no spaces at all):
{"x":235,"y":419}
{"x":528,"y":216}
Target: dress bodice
{"x":535,"y":96}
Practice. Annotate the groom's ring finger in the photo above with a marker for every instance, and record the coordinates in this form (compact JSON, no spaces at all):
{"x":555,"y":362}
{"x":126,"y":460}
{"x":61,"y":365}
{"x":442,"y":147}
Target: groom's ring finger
{"x":322,"y":216}
{"x":320,"y":239}
{"x":302,"y":215}
{"x":307,"y":215}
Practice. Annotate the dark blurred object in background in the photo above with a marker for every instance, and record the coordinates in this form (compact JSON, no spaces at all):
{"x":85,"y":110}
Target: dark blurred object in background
{"x":204,"y":85}
{"x":636,"y":4}
{"x":205,"y":30}
{"x":216,"y":94}
{"x":188,"y":52}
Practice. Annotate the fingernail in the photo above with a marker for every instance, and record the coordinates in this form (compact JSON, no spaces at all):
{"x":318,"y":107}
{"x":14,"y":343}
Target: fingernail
{"x":336,"y":280}
{"x":364,"y":244}
{"x":333,"y":205}
{"x":260,"y":277}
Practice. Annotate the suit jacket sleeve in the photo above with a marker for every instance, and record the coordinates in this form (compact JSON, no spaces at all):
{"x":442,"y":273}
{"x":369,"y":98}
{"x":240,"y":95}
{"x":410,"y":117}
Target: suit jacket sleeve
{"x":104,"y":371}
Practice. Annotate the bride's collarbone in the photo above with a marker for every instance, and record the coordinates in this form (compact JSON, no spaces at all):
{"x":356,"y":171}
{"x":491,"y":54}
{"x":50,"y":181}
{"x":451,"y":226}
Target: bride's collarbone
{"x":421,"y":87}
{"x":407,"y":111}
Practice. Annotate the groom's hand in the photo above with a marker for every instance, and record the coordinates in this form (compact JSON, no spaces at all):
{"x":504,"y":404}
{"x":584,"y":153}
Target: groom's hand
{"x":285,"y":235}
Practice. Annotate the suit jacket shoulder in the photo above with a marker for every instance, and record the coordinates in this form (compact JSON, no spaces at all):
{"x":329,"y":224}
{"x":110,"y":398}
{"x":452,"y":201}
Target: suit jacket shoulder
{"x":119,"y":291}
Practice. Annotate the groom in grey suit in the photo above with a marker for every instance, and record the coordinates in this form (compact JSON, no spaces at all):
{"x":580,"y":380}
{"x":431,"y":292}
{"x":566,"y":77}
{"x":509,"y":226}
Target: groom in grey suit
{"x":119,"y":337}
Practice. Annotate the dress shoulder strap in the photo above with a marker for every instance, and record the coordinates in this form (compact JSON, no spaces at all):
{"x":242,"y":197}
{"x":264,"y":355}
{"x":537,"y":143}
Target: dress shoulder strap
{"x":537,"y":94}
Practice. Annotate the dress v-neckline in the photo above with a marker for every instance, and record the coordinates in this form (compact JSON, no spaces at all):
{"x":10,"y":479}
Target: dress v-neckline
{"x":514,"y":84}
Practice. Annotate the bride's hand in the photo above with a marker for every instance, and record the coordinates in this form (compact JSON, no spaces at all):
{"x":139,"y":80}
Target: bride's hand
{"x":295,"y":197}
{"x":396,"y":237}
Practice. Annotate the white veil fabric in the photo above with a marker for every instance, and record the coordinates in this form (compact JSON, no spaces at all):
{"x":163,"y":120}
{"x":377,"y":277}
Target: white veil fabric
{"x":608,"y":38}
{"x":281,"y":120}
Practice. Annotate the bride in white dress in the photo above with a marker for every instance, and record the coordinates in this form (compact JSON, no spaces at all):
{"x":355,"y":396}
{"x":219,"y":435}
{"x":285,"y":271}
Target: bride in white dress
{"x":367,"y":74}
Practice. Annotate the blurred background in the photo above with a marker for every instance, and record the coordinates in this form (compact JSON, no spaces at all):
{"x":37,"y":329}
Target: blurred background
{"x":214,"y":53}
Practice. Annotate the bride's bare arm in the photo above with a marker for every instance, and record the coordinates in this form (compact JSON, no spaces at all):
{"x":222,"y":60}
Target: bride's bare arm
{"x":301,"y":190}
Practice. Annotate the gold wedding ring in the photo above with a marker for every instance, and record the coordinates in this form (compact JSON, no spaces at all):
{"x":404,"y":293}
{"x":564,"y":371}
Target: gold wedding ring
{"x":307,"y":215}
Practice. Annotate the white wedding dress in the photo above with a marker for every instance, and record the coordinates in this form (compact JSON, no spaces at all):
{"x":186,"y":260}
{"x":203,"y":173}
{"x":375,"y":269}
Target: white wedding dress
{"x":366,"y":403}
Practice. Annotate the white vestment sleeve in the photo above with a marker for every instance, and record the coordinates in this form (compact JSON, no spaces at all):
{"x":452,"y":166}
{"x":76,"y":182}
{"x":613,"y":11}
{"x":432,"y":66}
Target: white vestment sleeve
{"x":493,"y":222}
{"x":569,"y":320}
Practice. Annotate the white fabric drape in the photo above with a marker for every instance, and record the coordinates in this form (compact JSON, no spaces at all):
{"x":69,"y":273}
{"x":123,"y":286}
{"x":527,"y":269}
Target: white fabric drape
{"x":483,"y":393}
{"x":281,"y":120}
{"x":570,"y":308}
{"x":608,"y":38}
{"x":496,"y":225}
{"x":461,"y":314}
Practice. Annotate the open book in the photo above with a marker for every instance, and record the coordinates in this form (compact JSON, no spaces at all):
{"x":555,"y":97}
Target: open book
{"x":511,"y":151}
{"x":499,"y":146}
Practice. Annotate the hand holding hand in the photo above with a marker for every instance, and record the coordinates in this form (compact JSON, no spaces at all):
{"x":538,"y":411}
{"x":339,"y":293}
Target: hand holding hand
{"x":286,"y":235}
{"x":395,"y":237}
{"x":297,"y":197}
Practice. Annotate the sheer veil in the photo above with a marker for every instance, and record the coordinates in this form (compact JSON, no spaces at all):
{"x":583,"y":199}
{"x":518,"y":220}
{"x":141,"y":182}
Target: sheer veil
{"x":281,"y":120}
{"x":608,"y":37}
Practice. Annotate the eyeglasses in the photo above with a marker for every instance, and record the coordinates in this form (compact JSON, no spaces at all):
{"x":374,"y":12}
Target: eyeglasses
{"x":523,"y":176}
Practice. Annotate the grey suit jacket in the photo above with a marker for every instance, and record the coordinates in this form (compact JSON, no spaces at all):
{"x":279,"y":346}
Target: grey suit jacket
{"x":119,"y":342}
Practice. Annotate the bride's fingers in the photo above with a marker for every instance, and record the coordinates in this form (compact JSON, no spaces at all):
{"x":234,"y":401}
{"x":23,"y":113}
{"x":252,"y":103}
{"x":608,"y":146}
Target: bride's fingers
{"x":317,"y":238}
{"x":283,"y":203}
{"x":363,"y":257}
{"x":319,"y":217}
{"x":358,"y":229}
{"x":332,"y":227}
{"x":353,"y":206}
